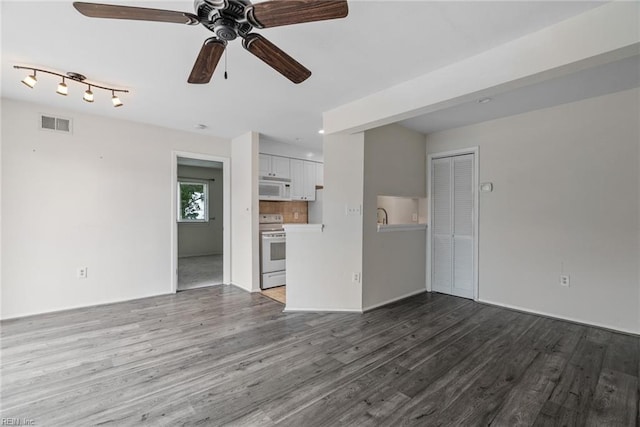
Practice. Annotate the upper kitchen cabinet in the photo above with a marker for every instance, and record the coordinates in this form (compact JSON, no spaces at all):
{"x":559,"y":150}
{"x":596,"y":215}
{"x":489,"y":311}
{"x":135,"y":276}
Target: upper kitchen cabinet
{"x":275,"y":166}
{"x":297,"y":180}
{"x":310,"y":179}
{"x":303,"y":180}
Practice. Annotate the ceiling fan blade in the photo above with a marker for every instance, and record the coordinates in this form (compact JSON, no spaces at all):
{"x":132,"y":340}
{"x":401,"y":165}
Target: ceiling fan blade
{"x":207,"y":60}
{"x":276,"y":58}
{"x":97,"y":10}
{"x":275,"y":13}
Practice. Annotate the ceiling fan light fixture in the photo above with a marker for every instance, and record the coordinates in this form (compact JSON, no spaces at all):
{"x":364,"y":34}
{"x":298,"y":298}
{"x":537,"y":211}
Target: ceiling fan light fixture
{"x":30,"y":80}
{"x":62,"y":88}
{"x":88,"y":95}
{"x":116,"y":101}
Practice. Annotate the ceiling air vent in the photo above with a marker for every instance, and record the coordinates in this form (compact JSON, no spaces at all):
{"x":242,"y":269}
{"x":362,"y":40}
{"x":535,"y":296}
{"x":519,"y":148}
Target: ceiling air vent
{"x":55,"y":124}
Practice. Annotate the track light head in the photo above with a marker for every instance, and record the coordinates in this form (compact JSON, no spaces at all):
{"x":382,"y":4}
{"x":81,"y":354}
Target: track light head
{"x":116,"y":101}
{"x":88,"y":95}
{"x":30,"y":80}
{"x":62,"y":88}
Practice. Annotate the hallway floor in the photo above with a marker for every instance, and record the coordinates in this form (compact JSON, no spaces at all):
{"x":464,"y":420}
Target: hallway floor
{"x":199,"y":271}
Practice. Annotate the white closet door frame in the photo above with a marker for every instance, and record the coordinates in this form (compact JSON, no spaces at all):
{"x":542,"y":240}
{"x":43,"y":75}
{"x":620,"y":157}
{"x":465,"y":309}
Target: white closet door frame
{"x":476,"y":177}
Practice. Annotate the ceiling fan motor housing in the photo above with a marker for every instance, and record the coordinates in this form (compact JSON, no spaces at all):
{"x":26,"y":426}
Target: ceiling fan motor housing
{"x":225,"y":28}
{"x":226,"y":18}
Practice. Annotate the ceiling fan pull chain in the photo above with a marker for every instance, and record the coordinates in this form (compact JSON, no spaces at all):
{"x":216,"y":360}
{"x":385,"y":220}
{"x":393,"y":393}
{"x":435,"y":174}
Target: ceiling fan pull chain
{"x":225,"y":64}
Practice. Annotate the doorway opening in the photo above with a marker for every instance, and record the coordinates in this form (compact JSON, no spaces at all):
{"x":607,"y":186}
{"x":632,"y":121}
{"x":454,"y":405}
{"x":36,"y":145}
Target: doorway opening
{"x":452,"y":242}
{"x":200,"y":206}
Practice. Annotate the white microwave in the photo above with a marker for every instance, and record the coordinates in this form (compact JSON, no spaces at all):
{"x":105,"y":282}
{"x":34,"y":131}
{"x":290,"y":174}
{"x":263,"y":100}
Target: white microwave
{"x":274,"y":189}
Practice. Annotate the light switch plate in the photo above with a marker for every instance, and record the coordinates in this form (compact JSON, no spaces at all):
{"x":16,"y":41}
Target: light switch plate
{"x":353,"y":210}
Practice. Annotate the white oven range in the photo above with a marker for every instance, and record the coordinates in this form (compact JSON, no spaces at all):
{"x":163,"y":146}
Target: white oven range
{"x":272,"y":251}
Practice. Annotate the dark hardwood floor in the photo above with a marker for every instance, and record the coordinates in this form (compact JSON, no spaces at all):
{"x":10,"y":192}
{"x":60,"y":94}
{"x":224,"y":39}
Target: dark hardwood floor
{"x":221,"y":356}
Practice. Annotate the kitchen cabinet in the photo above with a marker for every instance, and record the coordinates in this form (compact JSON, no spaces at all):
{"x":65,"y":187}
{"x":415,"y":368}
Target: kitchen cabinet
{"x":303,"y":180}
{"x":275,"y":166}
{"x":310,"y":178}
{"x":297,"y":179}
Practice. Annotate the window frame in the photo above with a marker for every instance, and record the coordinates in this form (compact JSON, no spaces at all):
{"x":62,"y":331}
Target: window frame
{"x":189,"y":181}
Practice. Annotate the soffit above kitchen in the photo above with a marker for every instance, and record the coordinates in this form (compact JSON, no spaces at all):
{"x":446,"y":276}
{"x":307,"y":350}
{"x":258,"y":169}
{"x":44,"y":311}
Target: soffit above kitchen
{"x":608,"y":78}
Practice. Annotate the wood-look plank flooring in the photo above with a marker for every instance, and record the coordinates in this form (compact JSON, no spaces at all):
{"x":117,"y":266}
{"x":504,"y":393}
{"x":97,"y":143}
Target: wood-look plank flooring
{"x":220,"y":356}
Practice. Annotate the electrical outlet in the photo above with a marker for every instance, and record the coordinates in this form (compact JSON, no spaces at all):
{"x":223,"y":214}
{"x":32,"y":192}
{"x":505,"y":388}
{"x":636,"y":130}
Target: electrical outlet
{"x":414,"y":217}
{"x":82,"y":273}
{"x":296,"y":215}
{"x":352,"y":210}
{"x":355,"y":277}
{"x":564,"y":280}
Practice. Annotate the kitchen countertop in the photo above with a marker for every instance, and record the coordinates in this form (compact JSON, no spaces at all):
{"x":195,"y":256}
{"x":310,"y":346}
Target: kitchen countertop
{"x":303,"y":227}
{"x":400,"y":227}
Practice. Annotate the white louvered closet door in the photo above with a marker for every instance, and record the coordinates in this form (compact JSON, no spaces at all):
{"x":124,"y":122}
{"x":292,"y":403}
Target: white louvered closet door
{"x":452,"y":224}
{"x":442,"y":243}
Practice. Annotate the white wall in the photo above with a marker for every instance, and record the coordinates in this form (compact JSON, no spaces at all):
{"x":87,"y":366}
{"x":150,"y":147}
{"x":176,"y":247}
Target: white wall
{"x":203,"y":238}
{"x":566,"y":193}
{"x":245,"y":266}
{"x":1,"y":204}
{"x":320,"y":265}
{"x":394,"y":262}
{"x":99,"y":198}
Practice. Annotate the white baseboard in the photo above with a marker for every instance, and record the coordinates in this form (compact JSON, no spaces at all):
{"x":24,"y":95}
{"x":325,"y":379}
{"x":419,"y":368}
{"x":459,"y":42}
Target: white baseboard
{"x":206,"y":285}
{"x":320,"y":310}
{"x":556,"y":316}
{"x":77,"y":307}
{"x":239,"y":287}
{"x":199,"y":255}
{"x":410,"y":294}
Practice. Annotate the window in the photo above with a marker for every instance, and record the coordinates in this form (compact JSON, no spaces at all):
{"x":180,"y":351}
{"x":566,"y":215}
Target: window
{"x":193,"y":202}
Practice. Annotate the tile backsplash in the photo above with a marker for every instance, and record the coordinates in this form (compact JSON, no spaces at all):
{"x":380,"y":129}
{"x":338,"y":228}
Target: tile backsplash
{"x":288,"y":210}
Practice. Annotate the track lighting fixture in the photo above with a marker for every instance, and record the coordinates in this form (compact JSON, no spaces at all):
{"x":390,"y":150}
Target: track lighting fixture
{"x":31,"y":81}
{"x":62,"y":88}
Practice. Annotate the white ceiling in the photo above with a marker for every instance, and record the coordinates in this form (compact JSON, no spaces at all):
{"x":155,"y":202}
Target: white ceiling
{"x":380,"y":43}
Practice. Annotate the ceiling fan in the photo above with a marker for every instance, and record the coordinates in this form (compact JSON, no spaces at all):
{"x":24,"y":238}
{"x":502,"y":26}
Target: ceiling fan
{"x":230,"y":19}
